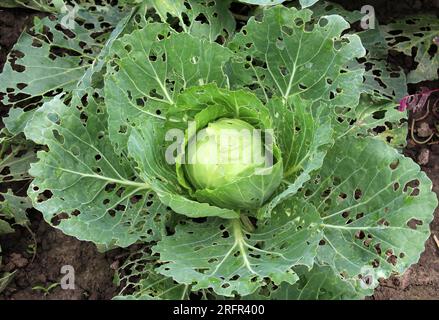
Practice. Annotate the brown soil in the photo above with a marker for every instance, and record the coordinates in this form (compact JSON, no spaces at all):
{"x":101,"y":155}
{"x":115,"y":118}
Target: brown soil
{"x":94,"y":271}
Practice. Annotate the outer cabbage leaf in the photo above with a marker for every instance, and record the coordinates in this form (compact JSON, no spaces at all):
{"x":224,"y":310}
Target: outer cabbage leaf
{"x":152,"y":66}
{"x":51,"y":52}
{"x":51,"y":58}
{"x":200,"y":18}
{"x":287,"y":54}
{"x":16,"y":155}
{"x":380,"y":77}
{"x":139,"y":281}
{"x":319,"y":283}
{"x":416,"y":34}
{"x":222,"y":255}
{"x":376,"y":206}
{"x":82,"y":186}
{"x":373,"y":117}
{"x":303,"y":139}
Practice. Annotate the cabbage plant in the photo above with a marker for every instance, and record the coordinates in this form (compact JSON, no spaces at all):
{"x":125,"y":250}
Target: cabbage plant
{"x":323,"y":207}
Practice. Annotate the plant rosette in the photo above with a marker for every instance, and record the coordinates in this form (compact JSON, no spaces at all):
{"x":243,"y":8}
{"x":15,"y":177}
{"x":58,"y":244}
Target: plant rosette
{"x":326,"y":208}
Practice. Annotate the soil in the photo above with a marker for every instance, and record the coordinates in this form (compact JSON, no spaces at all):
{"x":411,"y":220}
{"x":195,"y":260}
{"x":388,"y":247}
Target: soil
{"x":40,"y":269}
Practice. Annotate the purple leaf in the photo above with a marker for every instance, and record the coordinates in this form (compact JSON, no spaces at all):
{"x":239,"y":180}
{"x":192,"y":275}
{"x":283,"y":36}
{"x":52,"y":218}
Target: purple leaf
{"x":416,"y":101}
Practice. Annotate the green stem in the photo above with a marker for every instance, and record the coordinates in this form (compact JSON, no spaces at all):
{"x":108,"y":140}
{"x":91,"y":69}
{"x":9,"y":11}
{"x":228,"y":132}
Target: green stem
{"x":247,"y":223}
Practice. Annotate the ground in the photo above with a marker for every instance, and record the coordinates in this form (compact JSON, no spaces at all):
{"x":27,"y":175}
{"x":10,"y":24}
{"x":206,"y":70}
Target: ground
{"x":94,"y":271}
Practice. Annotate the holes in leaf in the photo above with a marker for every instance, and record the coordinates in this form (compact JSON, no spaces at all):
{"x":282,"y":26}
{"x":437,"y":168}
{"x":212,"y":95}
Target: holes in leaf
{"x":135,"y":199}
{"x":323,"y":22}
{"x":225,"y":234}
{"x":359,"y":215}
{"x":411,"y":184}
{"x":329,"y":81}
{"x":21,"y":86}
{"x":212,"y":260}
{"x":123,"y":129}
{"x":280,"y":44}
{"x":367,"y":280}
{"x":322,"y":242}
{"x":140,"y":102}
{"x":58,"y":136}
{"x":97,"y":170}
{"x":309,"y":26}
{"x":395,"y":186}
{"x":392,"y":259}
{"x":288,"y":30}
{"x":128,"y":48}
{"x":378,"y":248}
{"x":120,"y":207}
{"x":45,"y":195}
{"x":76,"y":151}
{"x":153,"y":93}
{"x":367,"y":241}
{"x":112,"y":213}
{"x":110,"y":187}
{"x":284,"y":71}
{"x":56,"y":220}
{"x":120,"y":191}
{"x":360,"y":235}
{"x":414,"y":223}
{"x":394,"y":164}
{"x":383,"y":222}
{"x":83,"y":117}
{"x":357,"y":194}
{"x":302,"y":86}
{"x":53,"y":117}
{"x":195,"y":59}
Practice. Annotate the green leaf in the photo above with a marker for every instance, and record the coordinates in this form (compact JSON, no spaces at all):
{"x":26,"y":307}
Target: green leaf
{"x":82,"y":186}
{"x":161,"y":176}
{"x":5,"y":227}
{"x":303,"y":140}
{"x":58,"y":55}
{"x":222,"y":255}
{"x":380,"y":77}
{"x":14,"y":208}
{"x":376,"y":206}
{"x":374,"y":117}
{"x":206,"y":19}
{"x":15,"y":162}
{"x":17,"y":120}
{"x":39,"y":5}
{"x":137,"y":275}
{"x":153,"y":65}
{"x":307,"y":3}
{"x":272,"y":57}
{"x":264,"y":2}
{"x":5,"y":279}
{"x":320,"y":283}
{"x":16,"y":155}
{"x":416,"y":34}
